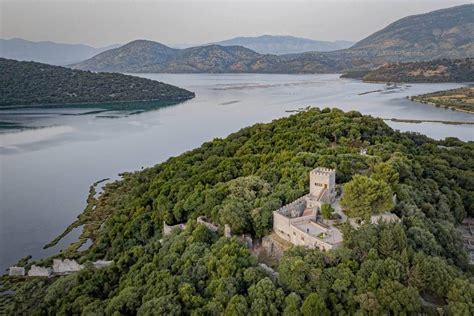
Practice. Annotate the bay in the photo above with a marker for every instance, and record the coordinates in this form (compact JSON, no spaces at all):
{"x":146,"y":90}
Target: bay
{"x":50,"y":156}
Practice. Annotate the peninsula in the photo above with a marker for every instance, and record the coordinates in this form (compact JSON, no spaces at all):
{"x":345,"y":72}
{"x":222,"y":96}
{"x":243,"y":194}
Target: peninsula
{"x":461,"y":99}
{"x":32,"y":83}
{"x":242,"y":235}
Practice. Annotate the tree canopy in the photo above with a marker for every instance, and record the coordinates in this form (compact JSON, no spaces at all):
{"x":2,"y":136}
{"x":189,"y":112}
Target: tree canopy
{"x":364,"y":196}
{"x":380,"y":269}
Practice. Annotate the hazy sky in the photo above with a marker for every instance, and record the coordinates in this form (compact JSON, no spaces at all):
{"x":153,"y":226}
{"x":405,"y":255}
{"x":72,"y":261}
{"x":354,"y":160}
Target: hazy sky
{"x":104,"y":22}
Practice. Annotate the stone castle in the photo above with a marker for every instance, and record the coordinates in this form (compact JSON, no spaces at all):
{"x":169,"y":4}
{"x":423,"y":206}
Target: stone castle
{"x":298,"y":222}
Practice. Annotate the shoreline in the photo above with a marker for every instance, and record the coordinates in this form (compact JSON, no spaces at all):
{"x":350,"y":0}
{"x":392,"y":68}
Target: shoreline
{"x":25,"y":106}
{"x":413,"y":121}
{"x":447,"y":107}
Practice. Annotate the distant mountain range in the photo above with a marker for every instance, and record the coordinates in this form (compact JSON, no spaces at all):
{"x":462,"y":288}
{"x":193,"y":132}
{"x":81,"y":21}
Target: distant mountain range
{"x":446,"y":33}
{"x":48,"y":52}
{"x":281,"y":45}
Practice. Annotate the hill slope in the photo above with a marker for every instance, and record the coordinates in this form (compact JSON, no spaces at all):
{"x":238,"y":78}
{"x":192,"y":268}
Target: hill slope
{"x":447,"y":33}
{"x":28,"y":83}
{"x":48,"y":52}
{"x":146,"y":56}
{"x":443,"y":33}
{"x":281,"y":45}
{"x":136,"y":56}
{"x":440,"y":70}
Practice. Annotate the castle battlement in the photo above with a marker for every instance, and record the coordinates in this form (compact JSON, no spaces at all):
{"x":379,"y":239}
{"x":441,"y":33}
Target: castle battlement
{"x":297,"y":206}
{"x":323,"y":171}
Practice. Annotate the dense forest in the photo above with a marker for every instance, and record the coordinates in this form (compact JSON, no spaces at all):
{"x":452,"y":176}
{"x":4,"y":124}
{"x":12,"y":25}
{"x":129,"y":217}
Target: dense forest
{"x":461,"y":99}
{"x":440,"y":70}
{"x":31,"y":83}
{"x":415,"y":266}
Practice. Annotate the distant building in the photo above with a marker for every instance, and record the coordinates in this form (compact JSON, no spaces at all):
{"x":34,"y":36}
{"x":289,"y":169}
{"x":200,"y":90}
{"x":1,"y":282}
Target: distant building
{"x":39,"y":271}
{"x":60,"y":267}
{"x":16,"y":271}
{"x":99,"y":264}
{"x":66,"y":266}
{"x":297,"y":222}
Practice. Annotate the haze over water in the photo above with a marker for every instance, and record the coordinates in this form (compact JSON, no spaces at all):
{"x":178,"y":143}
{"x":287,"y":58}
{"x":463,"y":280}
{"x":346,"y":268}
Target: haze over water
{"x":46,"y":173}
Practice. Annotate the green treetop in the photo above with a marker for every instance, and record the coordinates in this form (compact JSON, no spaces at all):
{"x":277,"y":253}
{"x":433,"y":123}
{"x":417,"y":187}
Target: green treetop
{"x":364,"y":196}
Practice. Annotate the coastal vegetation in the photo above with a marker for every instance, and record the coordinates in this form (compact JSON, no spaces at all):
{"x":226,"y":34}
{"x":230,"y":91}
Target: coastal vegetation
{"x":415,"y":266}
{"x":440,"y":70}
{"x":31,"y":83}
{"x":461,"y":99}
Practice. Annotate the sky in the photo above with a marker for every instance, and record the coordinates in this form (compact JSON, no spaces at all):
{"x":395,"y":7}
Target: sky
{"x":104,"y":22}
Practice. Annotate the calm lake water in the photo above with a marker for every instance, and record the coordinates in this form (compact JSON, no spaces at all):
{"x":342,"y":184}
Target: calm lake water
{"x":45,"y":172}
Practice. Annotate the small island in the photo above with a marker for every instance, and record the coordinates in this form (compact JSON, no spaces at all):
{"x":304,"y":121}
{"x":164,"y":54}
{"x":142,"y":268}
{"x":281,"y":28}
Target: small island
{"x":461,"y":99}
{"x":31,"y":83}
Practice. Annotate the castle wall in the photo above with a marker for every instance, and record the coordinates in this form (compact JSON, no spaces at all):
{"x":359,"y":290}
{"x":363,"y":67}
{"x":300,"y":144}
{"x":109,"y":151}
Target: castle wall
{"x":16,"y":271}
{"x":168,"y":229}
{"x":66,"y":266}
{"x":301,"y":238}
{"x":202,"y":220}
{"x":39,"y":271}
{"x":99,"y":264}
{"x":295,"y":208}
{"x":281,"y":226}
{"x":302,"y":219}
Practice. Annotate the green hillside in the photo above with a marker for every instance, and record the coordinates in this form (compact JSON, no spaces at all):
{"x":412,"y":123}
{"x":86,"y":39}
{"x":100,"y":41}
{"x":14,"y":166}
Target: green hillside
{"x":461,"y":99}
{"x":445,"y":33}
{"x":31,"y":83}
{"x":440,"y":70}
{"x":382,"y":269}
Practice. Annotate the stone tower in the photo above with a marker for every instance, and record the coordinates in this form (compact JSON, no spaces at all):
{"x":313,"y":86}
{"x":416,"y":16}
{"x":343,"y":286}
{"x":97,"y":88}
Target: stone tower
{"x":322,"y":184}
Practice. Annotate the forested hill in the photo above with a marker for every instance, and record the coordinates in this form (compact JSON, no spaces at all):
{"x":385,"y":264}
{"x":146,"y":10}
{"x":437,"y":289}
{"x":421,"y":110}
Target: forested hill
{"x":446,"y":33}
{"x":31,"y":83}
{"x":381,"y":269}
{"x":440,"y":70}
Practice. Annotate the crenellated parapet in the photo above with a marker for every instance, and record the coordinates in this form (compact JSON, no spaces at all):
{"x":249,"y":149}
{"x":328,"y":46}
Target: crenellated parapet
{"x":322,"y":184}
{"x":326,"y":172}
{"x":293,"y":209}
